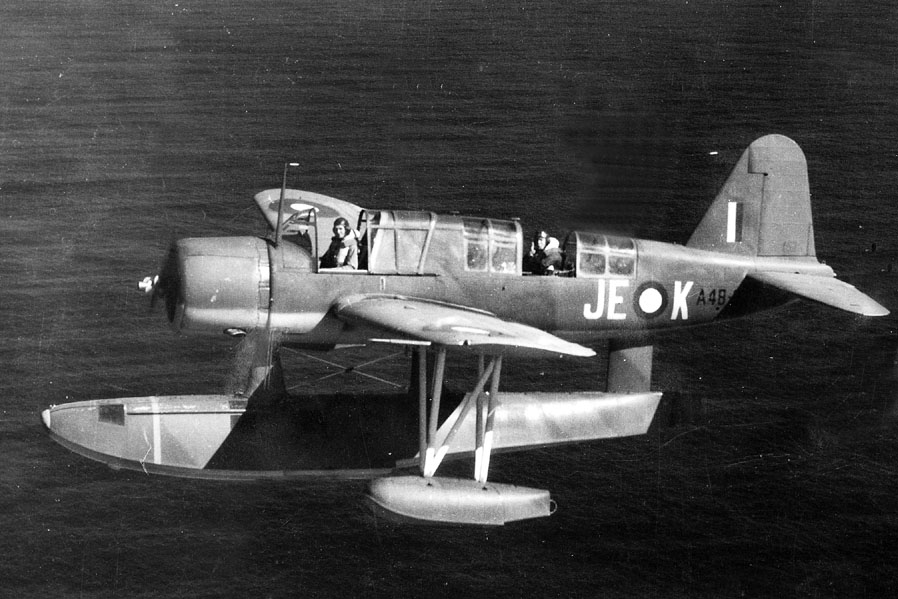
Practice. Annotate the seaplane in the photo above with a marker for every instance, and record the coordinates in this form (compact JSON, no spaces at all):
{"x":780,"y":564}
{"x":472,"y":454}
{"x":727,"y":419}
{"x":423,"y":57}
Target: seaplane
{"x":434,"y":285}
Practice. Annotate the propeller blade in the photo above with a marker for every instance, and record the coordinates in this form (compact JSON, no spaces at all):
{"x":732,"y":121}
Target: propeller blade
{"x":166,"y":285}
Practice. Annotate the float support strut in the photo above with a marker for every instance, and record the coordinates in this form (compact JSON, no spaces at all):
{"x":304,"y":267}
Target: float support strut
{"x":486,"y":410}
{"x":485,"y":404}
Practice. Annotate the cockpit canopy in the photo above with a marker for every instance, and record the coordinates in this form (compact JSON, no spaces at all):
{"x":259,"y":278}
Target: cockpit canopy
{"x":413,"y":242}
{"x":425,"y":243}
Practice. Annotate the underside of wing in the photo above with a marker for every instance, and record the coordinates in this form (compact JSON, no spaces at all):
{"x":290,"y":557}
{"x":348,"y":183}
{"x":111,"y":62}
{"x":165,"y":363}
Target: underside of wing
{"x":826,"y":290}
{"x":410,"y":320}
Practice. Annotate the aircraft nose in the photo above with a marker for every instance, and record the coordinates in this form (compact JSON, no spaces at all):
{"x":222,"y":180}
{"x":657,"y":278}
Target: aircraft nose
{"x":45,"y":417}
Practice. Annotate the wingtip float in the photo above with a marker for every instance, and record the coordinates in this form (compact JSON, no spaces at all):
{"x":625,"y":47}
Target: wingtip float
{"x":332,"y":273}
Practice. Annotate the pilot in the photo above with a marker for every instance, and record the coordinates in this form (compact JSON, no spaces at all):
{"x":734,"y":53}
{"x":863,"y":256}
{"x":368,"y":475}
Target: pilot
{"x":545,"y":256}
{"x":344,"y":249}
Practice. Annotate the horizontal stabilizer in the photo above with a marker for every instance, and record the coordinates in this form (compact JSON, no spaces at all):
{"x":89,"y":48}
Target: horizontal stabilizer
{"x":826,"y":290}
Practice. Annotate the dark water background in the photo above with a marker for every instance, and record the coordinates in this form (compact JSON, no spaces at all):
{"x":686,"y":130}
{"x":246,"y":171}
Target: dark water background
{"x":123,"y":125}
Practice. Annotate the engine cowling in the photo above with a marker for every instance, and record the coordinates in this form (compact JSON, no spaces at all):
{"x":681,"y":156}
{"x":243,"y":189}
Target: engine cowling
{"x":216,"y":284}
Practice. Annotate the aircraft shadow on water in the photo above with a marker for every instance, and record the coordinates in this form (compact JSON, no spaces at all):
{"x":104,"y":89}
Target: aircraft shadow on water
{"x":434,"y":284}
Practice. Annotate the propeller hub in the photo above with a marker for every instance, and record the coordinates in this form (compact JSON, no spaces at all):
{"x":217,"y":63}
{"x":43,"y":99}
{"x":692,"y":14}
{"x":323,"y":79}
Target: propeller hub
{"x":148,"y":284}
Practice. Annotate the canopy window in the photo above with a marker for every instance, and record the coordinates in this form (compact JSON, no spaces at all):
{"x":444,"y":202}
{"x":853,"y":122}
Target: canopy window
{"x":594,"y":255}
{"x":398,"y":241}
{"x":492,"y":245}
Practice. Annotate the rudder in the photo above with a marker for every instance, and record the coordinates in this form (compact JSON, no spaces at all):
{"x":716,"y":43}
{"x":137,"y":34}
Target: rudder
{"x":764,"y":208}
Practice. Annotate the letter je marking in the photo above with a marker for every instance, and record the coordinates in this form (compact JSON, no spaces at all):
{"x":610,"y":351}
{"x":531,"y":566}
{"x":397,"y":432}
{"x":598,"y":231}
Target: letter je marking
{"x":588,"y":312}
{"x":614,"y":299}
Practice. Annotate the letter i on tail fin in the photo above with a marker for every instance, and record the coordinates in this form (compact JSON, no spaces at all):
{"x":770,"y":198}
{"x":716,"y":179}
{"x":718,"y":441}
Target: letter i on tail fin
{"x":764,"y":208}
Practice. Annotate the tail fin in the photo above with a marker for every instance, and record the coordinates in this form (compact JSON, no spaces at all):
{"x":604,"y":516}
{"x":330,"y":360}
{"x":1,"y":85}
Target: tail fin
{"x":764,"y":208}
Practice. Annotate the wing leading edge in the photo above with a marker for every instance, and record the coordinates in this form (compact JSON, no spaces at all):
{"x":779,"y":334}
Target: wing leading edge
{"x":418,"y":320}
{"x":826,"y":290}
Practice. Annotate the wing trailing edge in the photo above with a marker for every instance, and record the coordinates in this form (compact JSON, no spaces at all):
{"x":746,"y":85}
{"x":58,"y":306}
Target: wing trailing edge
{"x":826,"y":290}
{"x":417,"y":320}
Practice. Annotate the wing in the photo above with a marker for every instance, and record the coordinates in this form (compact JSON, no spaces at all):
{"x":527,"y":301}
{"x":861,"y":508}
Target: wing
{"x":418,"y":320}
{"x":327,"y":209}
{"x":826,"y":290}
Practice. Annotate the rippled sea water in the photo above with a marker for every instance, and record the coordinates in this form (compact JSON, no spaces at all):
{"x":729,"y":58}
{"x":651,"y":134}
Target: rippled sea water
{"x":124,"y":125}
